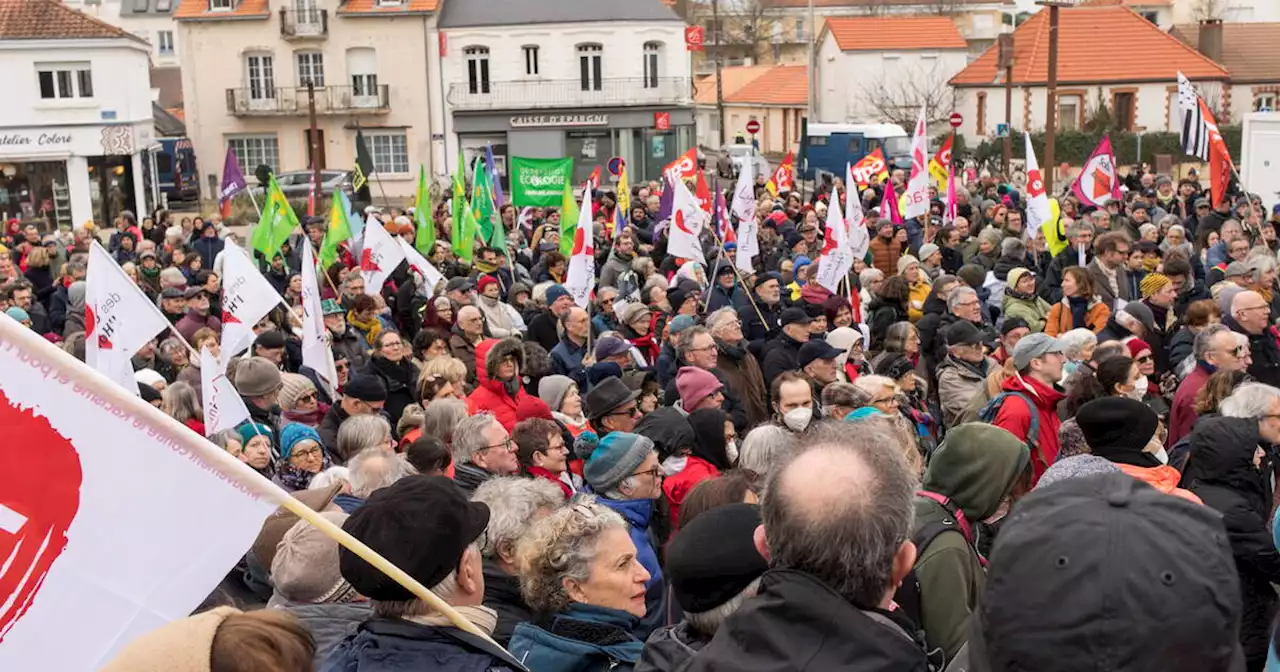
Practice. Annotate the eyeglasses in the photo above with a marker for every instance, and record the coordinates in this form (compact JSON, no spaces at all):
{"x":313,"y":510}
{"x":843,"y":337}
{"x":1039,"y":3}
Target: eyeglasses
{"x":391,"y":344}
{"x":1144,"y":359}
{"x":306,"y":452}
{"x":310,"y":396}
{"x":655,"y":472}
{"x":885,"y":400}
{"x":634,"y":410}
{"x":506,"y":445}
{"x":341,"y":367}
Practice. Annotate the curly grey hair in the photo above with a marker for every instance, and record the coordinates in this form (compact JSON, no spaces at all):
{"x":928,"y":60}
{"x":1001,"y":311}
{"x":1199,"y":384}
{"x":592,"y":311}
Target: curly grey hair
{"x":562,"y":546}
{"x":441,"y":417}
{"x":373,"y":469}
{"x":514,"y":504}
{"x":1075,"y":342}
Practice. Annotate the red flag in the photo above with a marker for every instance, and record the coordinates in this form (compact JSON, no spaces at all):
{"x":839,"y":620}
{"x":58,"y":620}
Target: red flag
{"x":684,"y":167}
{"x":595,"y":179}
{"x":871,"y":165}
{"x":783,"y":178}
{"x":702,"y":192}
{"x":1219,"y":157}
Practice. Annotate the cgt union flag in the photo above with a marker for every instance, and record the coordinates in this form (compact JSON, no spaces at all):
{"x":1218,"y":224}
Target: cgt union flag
{"x":118,"y":319}
{"x":114,"y":518}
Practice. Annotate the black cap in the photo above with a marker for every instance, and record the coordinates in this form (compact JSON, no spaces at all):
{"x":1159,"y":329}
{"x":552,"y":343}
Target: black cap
{"x":462,"y":284}
{"x":816,"y":349}
{"x":1118,"y":429}
{"x":271,"y":339}
{"x":1122,"y":565}
{"x":607,"y":395}
{"x":1011,"y":323}
{"x":365,"y":387}
{"x":676,"y":297}
{"x":713,"y":557}
{"x":963,"y":333}
{"x":795,"y":316}
{"x":421,"y":524}
{"x":765,"y":277}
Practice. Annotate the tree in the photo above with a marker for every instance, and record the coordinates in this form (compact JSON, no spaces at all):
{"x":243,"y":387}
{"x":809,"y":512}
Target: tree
{"x":745,"y":27}
{"x":896,"y":96}
{"x":1204,"y":10}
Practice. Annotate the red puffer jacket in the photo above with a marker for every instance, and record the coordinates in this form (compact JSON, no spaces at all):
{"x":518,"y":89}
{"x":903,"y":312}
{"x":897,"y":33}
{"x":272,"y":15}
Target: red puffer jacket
{"x":1016,"y":417}
{"x":490,"y":395}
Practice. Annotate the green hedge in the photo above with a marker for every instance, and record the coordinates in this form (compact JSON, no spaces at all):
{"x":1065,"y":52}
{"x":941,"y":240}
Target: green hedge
{"x":1074,"y":147}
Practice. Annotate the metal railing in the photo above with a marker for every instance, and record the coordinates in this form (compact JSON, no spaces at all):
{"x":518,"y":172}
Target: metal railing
{"x":308,"y":23}
{"x":292,"y":100}
{"x":560,"y":93}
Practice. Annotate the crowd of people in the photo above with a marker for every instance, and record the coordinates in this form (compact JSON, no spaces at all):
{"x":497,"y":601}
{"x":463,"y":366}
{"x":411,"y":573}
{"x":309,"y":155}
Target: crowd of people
{"x":1057,"y":462}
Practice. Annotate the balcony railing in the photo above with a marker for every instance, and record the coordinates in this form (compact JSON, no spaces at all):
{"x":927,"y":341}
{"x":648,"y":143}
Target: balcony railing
{"x":541,"y":94}
{"x":292,"y":100}
{"x":304,"y":24}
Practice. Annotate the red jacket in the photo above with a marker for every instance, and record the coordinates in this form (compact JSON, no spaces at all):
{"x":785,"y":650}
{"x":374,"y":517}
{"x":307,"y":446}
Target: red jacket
{"x":1015,"y":417}
{"x":489,"y":394}
{"x":1182,"y":415}
{"x":676,"y":488}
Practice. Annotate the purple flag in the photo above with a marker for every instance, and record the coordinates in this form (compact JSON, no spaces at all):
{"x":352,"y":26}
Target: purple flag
{"x":232,"y":179}
{"x":667,"y":202}
{"x":498,"y":199}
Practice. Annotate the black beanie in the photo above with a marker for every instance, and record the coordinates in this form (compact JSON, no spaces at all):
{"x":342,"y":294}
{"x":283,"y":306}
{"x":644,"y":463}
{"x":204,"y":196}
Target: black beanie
{"x":1118,"y":429}
{"x":713,"y":557}
{"x":366,"y":387}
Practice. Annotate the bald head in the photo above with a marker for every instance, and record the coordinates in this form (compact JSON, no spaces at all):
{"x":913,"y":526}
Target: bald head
{"x":1250,"y":311}
{"x":842,"y":511}
{"x":471,"y":321}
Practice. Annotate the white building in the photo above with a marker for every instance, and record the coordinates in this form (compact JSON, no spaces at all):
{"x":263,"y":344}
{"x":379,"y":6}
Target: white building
{"x":151,"y":20}
{"x":76,"y":135}
{"x":579,"y":78}
{"x":1138,"y":93}
{"x":877,"y":68}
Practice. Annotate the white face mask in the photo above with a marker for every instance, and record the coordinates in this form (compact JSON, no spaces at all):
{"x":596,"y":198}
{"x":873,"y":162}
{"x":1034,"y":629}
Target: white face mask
{"x":797,"y":419}
{"x":1139,"y":389}
{"x":1156,"y":450}
{"x":731,"y":451}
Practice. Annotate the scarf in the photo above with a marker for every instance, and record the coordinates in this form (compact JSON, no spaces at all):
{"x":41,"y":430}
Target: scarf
{"x":570,"y":422}
{"x":295,"y":479}
{"x":1009,"y":291}
{"x":485,"y":268}
{"x":371,"y":328}
{"x":311,"y":419}
{"x":483,"y":617}
{"x":149,"y":272}
{"x":1079,"y":306}
{"x":1113,"y":277}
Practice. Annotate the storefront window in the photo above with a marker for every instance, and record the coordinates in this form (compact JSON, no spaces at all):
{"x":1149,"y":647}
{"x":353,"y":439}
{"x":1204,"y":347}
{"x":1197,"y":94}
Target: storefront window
{"x":35,"y":190}
{"x":110,"y":188}
{"x":589,"y":149}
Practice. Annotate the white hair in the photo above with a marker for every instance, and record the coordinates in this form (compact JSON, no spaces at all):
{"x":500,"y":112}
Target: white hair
{"x":1075,"y":341}
{"x":1250,"y":400}
{"x":513,"y":504}
{"x":374,"y":468}
{"x":765,"y":447}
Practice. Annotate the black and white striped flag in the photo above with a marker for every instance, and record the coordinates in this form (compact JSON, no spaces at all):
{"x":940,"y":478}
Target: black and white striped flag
{"x":1195,"y":131}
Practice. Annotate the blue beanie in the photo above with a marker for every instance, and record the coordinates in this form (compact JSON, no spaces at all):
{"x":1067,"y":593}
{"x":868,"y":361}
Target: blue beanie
{"x":556,"y":291}
{"x":293,"y":434}
{"x":680,"y":323}
{"x":248,"y":430}
{"x":860,"y":414}
{"x":617,"y":456}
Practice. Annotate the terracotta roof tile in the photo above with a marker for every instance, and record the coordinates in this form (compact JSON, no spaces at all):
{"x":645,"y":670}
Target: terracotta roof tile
{"x":779,"y":85}
{"x":52,"y":20}
{"x":1250,"y":51}
{"x":1126,"y":3}
{"x":243,"y":9}
{"x":731,"y":79}
{"x":861,"y":3}
{"x":1083,"y":58}
{"x":372,"y":8}
{"x":896,"y":33}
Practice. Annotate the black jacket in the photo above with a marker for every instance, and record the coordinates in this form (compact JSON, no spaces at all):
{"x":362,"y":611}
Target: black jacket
{"x":401,"y":379}
{"x":502,"y":594}
{"x":1196,"y":292}
{"x":781,"y":355}
{"x":757,"y":332}
{"x":798,"y":624}
{"x":1264,"y":350}
{"x":881,"y":315}
{"x":732,"y":406}
{"x":542,"y":330}
{"x":1222,"y":475}
{"x":394,"y":645}
{"x":1051,"y":286}
{"x":328,"y":431}
{"x":935,"y":309}
{"x":669,"y":648}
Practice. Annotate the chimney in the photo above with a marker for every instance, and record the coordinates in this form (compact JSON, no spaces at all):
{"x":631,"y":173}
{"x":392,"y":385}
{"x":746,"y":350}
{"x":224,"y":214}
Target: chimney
{"x":1211,"y":39}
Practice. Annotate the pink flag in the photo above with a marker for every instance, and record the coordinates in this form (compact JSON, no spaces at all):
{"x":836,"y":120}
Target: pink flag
{"x":380,"y":256}
{"x":889,"y":205}
{"x":952,"y":207}
{"x":118,"y":319}
{"x":1098,"y":184}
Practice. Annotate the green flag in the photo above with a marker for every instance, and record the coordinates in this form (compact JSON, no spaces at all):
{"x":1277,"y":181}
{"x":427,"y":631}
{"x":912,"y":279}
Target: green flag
{"x":463,"y":235}
{"x":276,"y":224}
{"x":482,"y":202}
{"x":568,"y":219}
{"x":338,"y":230}
{"x":424,"y":238}
{"x":538,"y":182}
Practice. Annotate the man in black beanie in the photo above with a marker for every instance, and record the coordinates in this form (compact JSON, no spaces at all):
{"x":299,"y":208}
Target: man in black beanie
{"x":363,"y":394}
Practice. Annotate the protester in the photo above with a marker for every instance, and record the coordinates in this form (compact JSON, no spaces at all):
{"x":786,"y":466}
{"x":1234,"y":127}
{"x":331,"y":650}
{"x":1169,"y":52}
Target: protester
{"x":482,"y":449}
{"x":222,"y":639}
{"x":1031,"y":396}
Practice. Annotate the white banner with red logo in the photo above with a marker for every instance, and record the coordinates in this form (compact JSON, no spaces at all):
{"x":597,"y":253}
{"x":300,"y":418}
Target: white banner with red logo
{"x":855,"y":220}
{"x":580,"y":279}
{"x":380,"y":256}
{"x":223,"y":406}
{"x":836,"y":258}
{"x":1098,"y":184}
{"x":916,"y":198}
{"x":118,"y":319}
{"x":430,"y":275}
{"x":114,"y":518}
{"x":1038,"y":211}
{"x":316,"y":354}
{"x":687,"y":219}
{"x":247,"y":297}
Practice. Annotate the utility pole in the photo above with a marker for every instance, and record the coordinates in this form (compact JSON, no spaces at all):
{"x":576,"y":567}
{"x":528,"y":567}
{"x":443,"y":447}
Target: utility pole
{"x":313,"y":136}
{"x":1005,"y":57}
{"x":715,"y":43}
{"x":1051,"y":103}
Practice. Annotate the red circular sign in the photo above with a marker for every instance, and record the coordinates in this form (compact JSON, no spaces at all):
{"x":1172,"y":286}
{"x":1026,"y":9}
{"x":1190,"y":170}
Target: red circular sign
{"x":956,"y":120}
{"x":753,"y":127}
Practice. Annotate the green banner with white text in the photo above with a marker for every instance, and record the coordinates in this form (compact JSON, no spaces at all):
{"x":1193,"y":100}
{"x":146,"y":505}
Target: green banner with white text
{"x":539,"y":183}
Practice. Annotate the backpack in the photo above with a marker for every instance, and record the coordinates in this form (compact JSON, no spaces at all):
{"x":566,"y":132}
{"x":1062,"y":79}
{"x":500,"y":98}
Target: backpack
{"x":992,"y":409}
{"x":908,"y":595}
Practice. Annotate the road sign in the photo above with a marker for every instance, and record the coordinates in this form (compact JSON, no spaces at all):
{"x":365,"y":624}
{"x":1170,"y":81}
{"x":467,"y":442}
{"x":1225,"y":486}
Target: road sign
{"x":662,"y":121}
{"x":1002,"y":130}
{"x":615,"y":165}
{"x":753,"y":127}
{"x":956,"y":120}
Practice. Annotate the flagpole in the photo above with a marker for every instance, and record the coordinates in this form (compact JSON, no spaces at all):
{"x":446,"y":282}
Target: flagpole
{"x":377,"y":177}
{"x":741,"y":280}
{"x":154,"y":307}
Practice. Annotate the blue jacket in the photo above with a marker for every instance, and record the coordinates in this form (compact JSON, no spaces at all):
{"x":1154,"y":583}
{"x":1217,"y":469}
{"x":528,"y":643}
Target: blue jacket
{"x":394,"y":645}
{"x":563,"y":648}
{"x":637,"y":513}
{"x":566,"y":360}
{"x":208,"y":249}
{"x":668,"y":364}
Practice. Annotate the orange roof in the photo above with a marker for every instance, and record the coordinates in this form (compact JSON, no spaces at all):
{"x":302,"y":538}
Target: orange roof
{"x":242,"y":9}
{"x":1250,"y":51}
{"x":52,"y":20}
{"x":373,"y":8}
{"x":860,"y":3}
{"x":894,"y":33}
{"x":780,"y":85}
{"x":1126,"y":3}
{"x":731,"y":79}
{"x":1082,"y":57}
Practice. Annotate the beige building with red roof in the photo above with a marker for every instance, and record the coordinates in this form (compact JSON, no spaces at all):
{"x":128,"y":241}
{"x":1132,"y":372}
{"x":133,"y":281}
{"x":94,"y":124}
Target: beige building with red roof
{"x":775,"y":96}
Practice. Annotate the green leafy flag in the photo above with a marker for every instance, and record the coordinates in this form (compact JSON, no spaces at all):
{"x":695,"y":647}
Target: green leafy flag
{"x":424,"y":238}
{"x":338,"y":230}
{"x":539,"y":182}
{"x":482,"y":201}
{"x":276,"y":224}
{"x":568,"y":219}
{"x":463,"y":234}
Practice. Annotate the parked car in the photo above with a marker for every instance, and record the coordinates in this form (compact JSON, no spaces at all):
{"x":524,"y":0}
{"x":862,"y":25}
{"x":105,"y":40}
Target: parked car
{"x":296,"y":184}
{"x":739,"y":154}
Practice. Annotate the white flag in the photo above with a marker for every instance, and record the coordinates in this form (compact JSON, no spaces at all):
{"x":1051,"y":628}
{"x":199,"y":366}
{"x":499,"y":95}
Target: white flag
{"x":1038,"y":211}
{"x":419,"y":263}
{"x":744,"y":208}
{"x":247,"y":297}
{"x":379,"y":257}
{"x":118,"y":319}
{"x":580,"y":279}
{"x":115,"y":519}
{"x":836,"y":257}
{"x":223,"y":407}
{"x":855,"y":221}
{"x":316,"y":354}
{"x":917,"y":194}
{"x":687,"y":220}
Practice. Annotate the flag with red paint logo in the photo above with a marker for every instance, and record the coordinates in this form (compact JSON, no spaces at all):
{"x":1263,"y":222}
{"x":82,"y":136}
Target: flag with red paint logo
{"x":855,"y":220}
{"x":1098,"y":184}
{"x":223,"y":406}
{"x":687,"y":219}
{"x":247,"y":297}
{"x":594,"y":179}
{"x":784,"y":178}
{"x":724,"y":228}
{"x":917,"y":194}
{"x":381,"y":255}
{"x":869,"y":167}
{"x":837,"y":257}
{"x":580,"y":279}
{"x":118,"y":319}
{"x":684,"y":167}
{"x":1038,"y":211}
{"x":940,"y":164}
{"x":114,"y":518}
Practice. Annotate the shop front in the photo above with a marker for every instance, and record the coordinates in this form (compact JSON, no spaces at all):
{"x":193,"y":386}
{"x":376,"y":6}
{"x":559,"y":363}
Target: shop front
{"x":646,"y":138}
{"x":65,"y":176}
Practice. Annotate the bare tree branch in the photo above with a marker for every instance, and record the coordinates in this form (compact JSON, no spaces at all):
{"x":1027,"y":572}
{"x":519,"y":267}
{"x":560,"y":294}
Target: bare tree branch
{"x":897,"y":97}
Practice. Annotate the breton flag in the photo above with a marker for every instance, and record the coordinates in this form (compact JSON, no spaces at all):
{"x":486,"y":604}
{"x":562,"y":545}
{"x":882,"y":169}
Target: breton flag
{"x":379,"y":258}
{"x":247,"y":297}
{"x":223,"y":407}
{"x":1195,"y":132}
{"x":687,"y":220}
{"x":420,"y":264}
{"x":316,"y":354}
{"x":581,"y":276}
{"x":114,"y":517}
{"x":118,"y":319}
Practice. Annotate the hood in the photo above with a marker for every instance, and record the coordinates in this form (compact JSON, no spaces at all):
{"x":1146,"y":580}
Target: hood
{"x":636,"y":512}
{"x":975,"y":467}
{"x":1006,"y":264}
{"x":670,"y":431}
{"x":491,"y":351}
{"x":708,"y":429}
{"x":670,"y":648}
{"x":967,"y":370}
{"x":1046,"y":397}
{"x":1222,"y":451}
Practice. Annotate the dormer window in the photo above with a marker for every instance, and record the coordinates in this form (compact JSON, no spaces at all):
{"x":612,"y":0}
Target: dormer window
{"x":389,"y":3}
{"x":221,"y":5}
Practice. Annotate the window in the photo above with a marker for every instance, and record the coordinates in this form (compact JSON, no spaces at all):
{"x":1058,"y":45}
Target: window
{"x":801,"y":35}
{"x":388,"y":3}
{"x":256,"y":150}
{"x":715,"y":122}
{"x":261,"y":76}
{"x":590,"y":66}
{"x":164,"y":5}
{"x":1070,"y":112}
{"x":1264,"y":102}
{"x":1173,"y":122}
{"x":221,"y":5}
{"x":65,"y":81}
{"x":981,"y":127}
{"x":477,"y":69}
{"x":362,"y":63}
{"x":390,"y":152}
{"x":164,"y":42}
{"x":310,"y":68}
{"x":1151,"y":16}
{"x":531,"y":59}
{"x":1122,"y":107}
{"x":652,"y":52}
{"x":141,"y":5}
